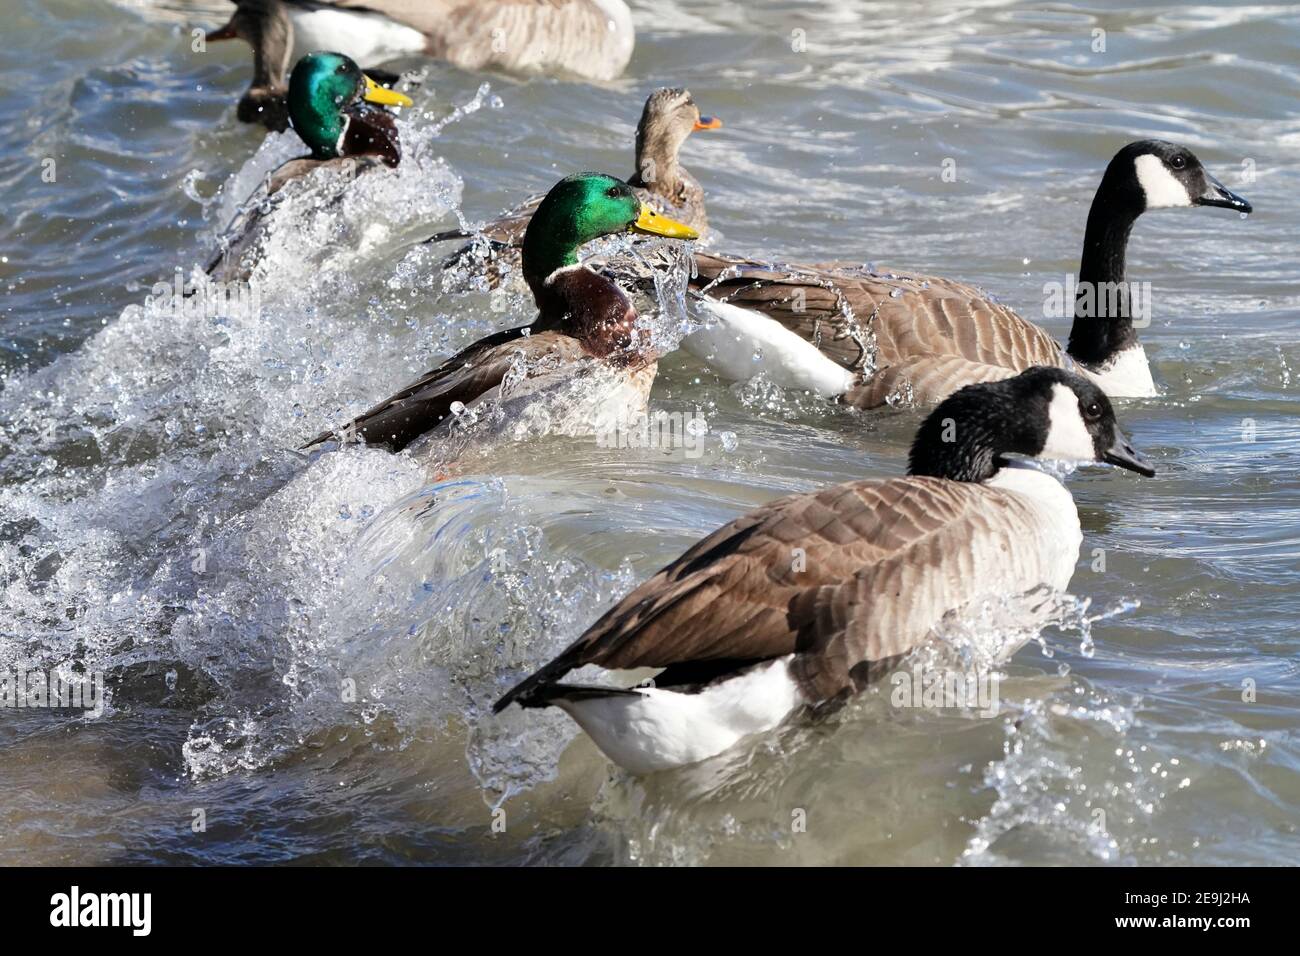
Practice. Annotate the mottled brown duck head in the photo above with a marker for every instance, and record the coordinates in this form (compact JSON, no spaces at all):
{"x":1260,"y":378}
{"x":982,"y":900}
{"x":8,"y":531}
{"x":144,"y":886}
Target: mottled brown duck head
{"x":670,"y":115}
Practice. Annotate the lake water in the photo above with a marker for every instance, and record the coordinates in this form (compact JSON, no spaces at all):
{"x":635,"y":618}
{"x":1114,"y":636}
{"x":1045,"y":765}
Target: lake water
{"x":158,"y":526}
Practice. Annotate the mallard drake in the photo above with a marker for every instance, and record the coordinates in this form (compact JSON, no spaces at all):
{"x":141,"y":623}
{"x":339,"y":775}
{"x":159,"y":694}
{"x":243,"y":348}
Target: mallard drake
{"x":587,"y":38}
{"x":871,"y":338}
{"x":670,"y":115}
{"x":812,"y":597}
{"x":328,"y":101}
{"x":583,"y":319}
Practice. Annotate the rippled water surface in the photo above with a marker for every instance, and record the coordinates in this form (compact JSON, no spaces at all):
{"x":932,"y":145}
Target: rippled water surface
{"x":158,"y":526}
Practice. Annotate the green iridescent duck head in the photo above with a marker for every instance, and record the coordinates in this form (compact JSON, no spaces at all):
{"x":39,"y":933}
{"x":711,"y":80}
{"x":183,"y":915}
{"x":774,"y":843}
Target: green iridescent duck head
{"x":327,"y":101}
{"x":579,"y":209}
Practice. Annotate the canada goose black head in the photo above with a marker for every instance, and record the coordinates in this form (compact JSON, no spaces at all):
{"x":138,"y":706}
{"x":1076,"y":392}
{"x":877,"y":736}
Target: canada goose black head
{"x":1154,"y":174}
{"x":1044,"y":413}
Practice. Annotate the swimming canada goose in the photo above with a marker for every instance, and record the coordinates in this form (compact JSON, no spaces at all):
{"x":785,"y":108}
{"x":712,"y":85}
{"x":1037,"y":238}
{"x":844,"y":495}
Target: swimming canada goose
{"x":871,"y":338}
{"x":583,"y":319}
{"x":670,"y":115}
{"x":745,"y":634}
{"x":328,"y":101}
{"x":587,"y":38}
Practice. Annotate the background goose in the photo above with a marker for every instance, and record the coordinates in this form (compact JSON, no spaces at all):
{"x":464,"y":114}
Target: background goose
{"x":582,"y":318}
{"x":588,"y":38}
{"x":328,"y":101}
{"x":872,"y":338}
{"x":670,"y":115}
{"x":744,"y":635}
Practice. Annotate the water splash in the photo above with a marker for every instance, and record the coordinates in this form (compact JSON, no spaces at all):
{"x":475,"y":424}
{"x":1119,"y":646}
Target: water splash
{"x":755,"y":798}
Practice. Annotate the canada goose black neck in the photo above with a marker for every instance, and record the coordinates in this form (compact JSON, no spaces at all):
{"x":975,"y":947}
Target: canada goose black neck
{"x":1096,"y":338}
{"x":1149,"y":174}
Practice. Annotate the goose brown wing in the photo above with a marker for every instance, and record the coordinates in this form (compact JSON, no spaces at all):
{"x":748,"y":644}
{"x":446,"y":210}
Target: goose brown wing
{"x":420,"y":407}
{"x":867,"y":320}
{"x":849,"y":577}
{"x":514,"y":34}
{"x":926,"y":379}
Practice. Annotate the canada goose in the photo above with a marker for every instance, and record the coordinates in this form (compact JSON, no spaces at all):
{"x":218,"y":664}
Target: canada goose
{"x":871,"y":338}
{"x":582,"y":318}
{"x":670,"y":115}
{"x":587,"y":38}
{"x":745,"y":634}
{"x":327,"y":99}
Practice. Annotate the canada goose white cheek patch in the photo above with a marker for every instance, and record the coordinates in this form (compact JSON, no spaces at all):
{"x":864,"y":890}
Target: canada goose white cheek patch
{"x":1162,"y":188}
{"x":1067,"y":435}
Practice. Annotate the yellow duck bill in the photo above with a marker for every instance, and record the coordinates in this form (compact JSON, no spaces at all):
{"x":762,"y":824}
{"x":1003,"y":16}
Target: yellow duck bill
{"x":385,"y":97}
{"x":653,"y":224}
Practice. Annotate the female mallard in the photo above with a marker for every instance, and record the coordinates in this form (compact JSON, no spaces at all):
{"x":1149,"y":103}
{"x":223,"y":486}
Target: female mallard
{"x":871,"y":339}
{"x":587,"y":38}
{"x":584,"y":320}
{"x":327,"y":101}
{"x":660,"y":181}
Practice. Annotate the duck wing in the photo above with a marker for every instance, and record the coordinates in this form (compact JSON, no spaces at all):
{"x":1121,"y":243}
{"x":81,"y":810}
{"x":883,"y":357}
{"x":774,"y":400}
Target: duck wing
{"x":230,"y":261}
{"x":468,"y":375}
{"x":848,"y":578}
